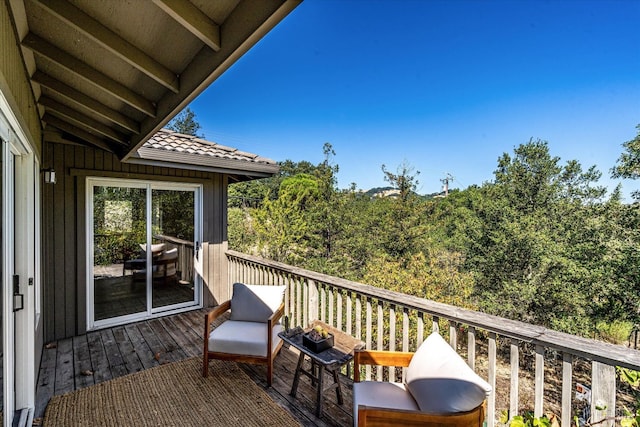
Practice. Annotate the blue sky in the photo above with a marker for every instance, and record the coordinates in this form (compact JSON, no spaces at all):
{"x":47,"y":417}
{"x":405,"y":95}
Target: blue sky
{"x":445,"y":86}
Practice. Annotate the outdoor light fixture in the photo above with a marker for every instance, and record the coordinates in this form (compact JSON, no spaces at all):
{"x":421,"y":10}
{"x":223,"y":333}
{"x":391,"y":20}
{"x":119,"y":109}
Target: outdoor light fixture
{"x":49,"y":176}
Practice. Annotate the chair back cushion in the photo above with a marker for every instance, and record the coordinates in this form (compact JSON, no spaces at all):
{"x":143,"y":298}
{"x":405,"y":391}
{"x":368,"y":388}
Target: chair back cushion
{"x":441,"y":381}
{"x":255,"y":303}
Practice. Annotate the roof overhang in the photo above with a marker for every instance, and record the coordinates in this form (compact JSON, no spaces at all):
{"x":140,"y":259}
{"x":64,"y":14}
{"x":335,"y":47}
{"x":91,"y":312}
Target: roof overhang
{"x":112,"y":73}
{"x":239,"y":169}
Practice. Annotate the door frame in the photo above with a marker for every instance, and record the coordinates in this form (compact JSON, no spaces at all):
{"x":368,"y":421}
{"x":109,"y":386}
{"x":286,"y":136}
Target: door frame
{"x":20,"y":196}
{"x":150,"y":312}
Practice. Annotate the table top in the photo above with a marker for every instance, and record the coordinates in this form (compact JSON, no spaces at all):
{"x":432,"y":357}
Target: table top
{"x":338,"y":355}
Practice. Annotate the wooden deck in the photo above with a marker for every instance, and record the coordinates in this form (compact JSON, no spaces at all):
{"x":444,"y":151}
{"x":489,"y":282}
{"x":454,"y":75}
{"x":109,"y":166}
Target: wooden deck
{"x":83,"y":361}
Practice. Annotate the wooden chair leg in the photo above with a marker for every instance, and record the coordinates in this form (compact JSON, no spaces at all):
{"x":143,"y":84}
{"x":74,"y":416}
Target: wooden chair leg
{"x":205,"y":366}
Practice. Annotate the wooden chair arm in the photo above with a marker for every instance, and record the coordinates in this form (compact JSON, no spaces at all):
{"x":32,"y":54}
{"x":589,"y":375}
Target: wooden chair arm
{"x":373,"y":416}
{"x":379,"y":358}
{"x":276,"y":316}
{"x":213,"y":315}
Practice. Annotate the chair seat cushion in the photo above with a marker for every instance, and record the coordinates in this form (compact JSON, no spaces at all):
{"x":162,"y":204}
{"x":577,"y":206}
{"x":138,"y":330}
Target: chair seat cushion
{"x":246,"y":338}
{"x":255,"y":303}
{"x":381,"y":395}
{"x":441,"y":381}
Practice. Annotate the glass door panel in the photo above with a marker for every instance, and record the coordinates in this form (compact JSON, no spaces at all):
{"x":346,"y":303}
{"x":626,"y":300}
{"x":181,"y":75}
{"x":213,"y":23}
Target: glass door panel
{"x":119,"y":256}
{"x":173,"y":227}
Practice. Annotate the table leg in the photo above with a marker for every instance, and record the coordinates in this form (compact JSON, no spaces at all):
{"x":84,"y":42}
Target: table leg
{"x":336,"y":379}
{"x":320,"y":389}
{"x":296,"y":377}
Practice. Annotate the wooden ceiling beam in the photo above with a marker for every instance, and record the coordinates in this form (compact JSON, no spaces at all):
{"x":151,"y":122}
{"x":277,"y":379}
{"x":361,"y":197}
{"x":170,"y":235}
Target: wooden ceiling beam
{"x":193,"y":19}
{"x":67,"y":113}
{"x":88,"y":74}
{"x":85,"y":101}
{"x":115,"y":44}
{"x":77,"y":132}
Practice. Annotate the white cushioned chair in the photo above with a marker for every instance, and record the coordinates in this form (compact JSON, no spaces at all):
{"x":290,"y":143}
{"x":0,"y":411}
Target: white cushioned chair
{"x":440,"y":389}
{"x":250,"y":335}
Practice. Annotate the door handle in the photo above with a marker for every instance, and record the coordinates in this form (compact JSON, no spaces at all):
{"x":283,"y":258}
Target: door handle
{"x":18,"y":298}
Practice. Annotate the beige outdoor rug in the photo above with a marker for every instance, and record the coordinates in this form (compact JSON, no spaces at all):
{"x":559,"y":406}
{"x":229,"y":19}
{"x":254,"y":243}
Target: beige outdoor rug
{"x":174,"y":394}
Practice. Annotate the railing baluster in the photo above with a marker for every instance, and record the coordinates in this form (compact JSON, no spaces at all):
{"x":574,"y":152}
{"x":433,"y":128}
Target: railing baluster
{"x":330,"y":321}
{"x":305,"y":303}
{"x":603,"y":393}
{"x":471,"y":347}
{"x":358,"y":317}
{"x":392,"y":338}
{"x":379,"y":337}
{"x":453,"y":335}
{"x":405,"y":336}
{"x":567,"y":373}
{"x":339,"y":309}
{"x":368,"y":337}
{"x":323,"y":302}
{"x":539,"y":382}
{"x":435,"y":327}
{"x":298,"y":304}
{"x":313,"y":300}
{"x":515,"y":372}
{"x":420,"y":329}
{"x":491,"y":404}
{"x":349,"y":313}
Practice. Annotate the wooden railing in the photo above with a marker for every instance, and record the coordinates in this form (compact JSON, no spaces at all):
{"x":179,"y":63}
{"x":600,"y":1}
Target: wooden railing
{"x":394,"y":321}
{"x":185,"y":255}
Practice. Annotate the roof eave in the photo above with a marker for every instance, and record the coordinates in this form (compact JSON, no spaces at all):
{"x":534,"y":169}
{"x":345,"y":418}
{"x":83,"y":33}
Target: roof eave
{"x":194,"y":82}
{"x":172,"y":159}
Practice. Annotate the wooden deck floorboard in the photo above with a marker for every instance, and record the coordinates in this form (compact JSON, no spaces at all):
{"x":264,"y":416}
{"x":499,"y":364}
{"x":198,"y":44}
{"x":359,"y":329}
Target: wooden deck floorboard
{"x":98,"y":356}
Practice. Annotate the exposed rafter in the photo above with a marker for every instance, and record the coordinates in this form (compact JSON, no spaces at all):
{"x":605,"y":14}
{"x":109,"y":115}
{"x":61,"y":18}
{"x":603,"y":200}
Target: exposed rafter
{"x":85,"y":101}
{"x":67,"y":113}
{"x":77,"y":132}
{"x":112,"y":42}
{"x":88,"y":74}
{"x":192,"y":18}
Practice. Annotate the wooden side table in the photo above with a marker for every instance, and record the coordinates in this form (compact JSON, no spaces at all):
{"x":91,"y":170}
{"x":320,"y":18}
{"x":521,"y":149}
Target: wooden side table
{"x":331,"y":359}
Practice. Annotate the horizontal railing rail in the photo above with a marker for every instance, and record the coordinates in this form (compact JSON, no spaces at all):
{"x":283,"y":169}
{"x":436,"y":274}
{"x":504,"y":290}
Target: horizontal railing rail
{"x":391,"y":320}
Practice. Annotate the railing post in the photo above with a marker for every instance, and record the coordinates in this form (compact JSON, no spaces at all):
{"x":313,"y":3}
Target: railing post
{"x":603,"y":394}
{"x":313,"y":300}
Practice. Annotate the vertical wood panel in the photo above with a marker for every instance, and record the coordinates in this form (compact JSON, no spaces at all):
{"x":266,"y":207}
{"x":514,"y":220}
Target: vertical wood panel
{"x":59,"y":236}
{"x":70,"y":279}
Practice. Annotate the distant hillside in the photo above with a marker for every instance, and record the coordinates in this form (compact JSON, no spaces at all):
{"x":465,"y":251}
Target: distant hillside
{"x":392,"y":192}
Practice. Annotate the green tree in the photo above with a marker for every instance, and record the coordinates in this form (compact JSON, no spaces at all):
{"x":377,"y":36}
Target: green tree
{"x":628,"y":164}
{"x":186,"y":123}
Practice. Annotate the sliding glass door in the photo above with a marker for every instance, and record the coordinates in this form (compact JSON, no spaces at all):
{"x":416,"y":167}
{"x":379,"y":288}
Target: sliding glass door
{"x":142,"y":239}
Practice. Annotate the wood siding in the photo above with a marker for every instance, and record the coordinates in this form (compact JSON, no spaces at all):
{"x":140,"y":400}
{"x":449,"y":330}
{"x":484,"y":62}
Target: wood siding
{"x":64,"y":229}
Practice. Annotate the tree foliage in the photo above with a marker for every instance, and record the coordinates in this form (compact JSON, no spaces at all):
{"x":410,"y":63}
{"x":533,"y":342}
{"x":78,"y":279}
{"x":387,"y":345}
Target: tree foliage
{"x":186,"y":123}
{"x":542,"y":243}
